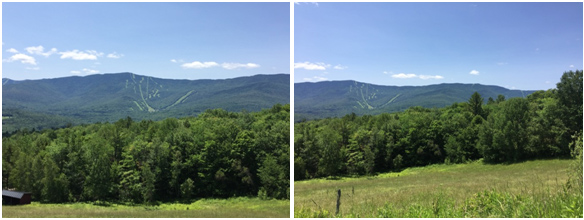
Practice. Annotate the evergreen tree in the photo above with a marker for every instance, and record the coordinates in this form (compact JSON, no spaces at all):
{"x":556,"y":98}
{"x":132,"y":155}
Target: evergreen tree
{"x":475,"y":104}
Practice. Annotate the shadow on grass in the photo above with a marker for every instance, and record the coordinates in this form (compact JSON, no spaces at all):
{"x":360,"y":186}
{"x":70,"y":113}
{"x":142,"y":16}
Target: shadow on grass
{"x":102,"y":203}
{"x":566,"y":157}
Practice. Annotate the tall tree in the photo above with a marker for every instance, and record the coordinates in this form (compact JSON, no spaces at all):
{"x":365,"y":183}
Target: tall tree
{"x":54,"y":183}
{"x":500,"y":98}
{"x":148,"y":180}
{"x":570,"y":97}
{"x":98,"y":183}
{"x":476,"y":104}
{"x":273,"y":179}
{"x":504,"y":138}
{"x":331,"y":161}
{"x":490,"y":101}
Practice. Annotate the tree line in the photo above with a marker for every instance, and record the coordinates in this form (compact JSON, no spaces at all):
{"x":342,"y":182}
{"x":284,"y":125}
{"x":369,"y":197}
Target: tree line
{"x":216,"y":154}
{"x":545,"y":124}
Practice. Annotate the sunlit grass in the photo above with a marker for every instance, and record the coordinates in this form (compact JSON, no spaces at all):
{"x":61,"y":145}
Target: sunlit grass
{"x":420,"y":187}
{"x":207,"y":208}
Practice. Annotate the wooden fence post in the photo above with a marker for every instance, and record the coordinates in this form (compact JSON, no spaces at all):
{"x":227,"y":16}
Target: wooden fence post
{"x":338,"y":201}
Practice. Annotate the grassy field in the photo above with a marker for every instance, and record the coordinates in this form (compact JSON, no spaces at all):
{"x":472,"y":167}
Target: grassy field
{"x":528,"y":189}
{"x":206,"y":208}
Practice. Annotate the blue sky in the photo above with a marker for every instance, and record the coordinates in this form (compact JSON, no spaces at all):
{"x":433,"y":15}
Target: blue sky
{"x":167,"y":40}
{"x":515,"y":45}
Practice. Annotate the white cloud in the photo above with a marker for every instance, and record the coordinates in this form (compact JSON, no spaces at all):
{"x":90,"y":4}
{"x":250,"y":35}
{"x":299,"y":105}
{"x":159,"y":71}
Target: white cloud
{"x":90,"y":71}
{"x":411,"y":75}
{"x":99,"y":54}
{"x":313,"y":3}
{"x":571,"y":66}
{"x":315,"y":79}
{"x":23,"y":58}
{"x":311,"y":66}
{"x":424,"y":77}
{"x":317,"y":66}
{"x":474,"y":72}
{"x":115,"y":55}
{"x":404,"y":76}
{"x":80,"y":55}
{"x":35,"y":50}
{"x":231,"y":66}
{"x":39,"y":50}
{"x":177,"y":61}
{"x":85,"y":71}
{"x":12,"y":50}
{"x":199,"y":65}
{"x":48,"y":53}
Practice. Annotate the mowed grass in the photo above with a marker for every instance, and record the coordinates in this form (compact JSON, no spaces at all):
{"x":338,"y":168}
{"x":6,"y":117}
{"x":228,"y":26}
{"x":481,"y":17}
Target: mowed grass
{"x":205,"y":208}
{"x":427,"y":187}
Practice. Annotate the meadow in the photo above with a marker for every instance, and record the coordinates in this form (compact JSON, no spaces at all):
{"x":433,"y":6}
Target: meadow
{"x":528,"y":189}
{"x":206,"y":208}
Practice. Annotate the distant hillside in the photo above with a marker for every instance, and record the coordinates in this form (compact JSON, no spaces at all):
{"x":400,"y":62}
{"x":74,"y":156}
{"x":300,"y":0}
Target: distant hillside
{"x":108,"y":97}
{"x":338,"y":98}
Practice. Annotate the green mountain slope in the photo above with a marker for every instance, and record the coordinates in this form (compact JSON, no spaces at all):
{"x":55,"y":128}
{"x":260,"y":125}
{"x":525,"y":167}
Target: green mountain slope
{"x":338,"y":98}
{"x":109,"y":97}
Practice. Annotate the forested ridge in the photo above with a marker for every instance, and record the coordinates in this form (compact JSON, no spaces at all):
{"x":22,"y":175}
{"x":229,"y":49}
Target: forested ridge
{"x":320,"y":100}
{"x":216,"y":154}
{"x":545,"y":124}
{"x":55,"y":103}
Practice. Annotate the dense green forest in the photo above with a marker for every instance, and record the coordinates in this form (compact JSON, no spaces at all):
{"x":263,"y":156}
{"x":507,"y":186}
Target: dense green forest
{"x":216,"y":154}
{"x":545,"y":124}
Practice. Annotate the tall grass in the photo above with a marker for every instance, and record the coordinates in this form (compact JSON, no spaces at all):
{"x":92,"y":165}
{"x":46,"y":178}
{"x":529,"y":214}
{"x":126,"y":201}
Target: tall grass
{"x":486,"y":204}
{"x":207,"y":208}
{"x":529,"y":189}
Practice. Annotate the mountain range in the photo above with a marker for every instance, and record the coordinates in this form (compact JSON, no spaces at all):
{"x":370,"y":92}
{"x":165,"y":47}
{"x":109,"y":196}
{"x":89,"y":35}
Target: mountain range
{"x":109,"y":97}
{"x":338,"y":98}
{"x":74,"y":100}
